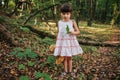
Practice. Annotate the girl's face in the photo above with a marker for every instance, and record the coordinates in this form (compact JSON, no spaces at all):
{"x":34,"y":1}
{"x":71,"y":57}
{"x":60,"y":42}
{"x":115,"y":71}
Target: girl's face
{"x":66,"y":16}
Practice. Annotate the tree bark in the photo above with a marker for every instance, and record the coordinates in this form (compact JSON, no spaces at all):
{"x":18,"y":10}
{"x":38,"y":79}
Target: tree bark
{"x":6,"y":36}
{"x":89,"y":22}
{"x":104,"y":14}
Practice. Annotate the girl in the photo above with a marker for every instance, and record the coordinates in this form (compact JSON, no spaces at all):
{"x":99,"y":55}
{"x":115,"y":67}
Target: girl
{"x":66,"y":41}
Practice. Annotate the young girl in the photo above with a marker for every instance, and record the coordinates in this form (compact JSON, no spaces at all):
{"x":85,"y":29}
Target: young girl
{"x":66,"y":41}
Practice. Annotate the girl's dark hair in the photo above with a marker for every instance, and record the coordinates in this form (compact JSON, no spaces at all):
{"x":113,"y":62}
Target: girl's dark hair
{"x":66,"y":7}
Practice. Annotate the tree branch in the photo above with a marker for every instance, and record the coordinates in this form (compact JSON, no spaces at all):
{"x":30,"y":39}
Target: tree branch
{"x":32,"y":15}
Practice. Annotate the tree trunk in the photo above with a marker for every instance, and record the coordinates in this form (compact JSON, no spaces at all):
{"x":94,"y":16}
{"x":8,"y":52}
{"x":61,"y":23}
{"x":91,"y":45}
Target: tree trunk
{"x":116,"y":13}
{"x":6,"y":36}
{"x":89,"y":22}
{"x":6,"y":3}
{"x":104,"y":14}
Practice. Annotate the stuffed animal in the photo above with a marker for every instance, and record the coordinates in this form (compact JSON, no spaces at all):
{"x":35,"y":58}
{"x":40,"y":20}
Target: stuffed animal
{"x":59,"y":59}
{"x":52,"y":48}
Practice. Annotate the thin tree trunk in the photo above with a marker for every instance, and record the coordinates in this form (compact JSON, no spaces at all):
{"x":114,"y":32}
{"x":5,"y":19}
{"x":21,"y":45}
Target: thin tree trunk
{"x":6,"y":3}
{"x":104,"y":17}
{"x":91,"y":13}
{"x":116,"y":13}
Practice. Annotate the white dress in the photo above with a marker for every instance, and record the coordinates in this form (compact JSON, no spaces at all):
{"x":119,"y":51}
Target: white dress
{"x":66,"y":44}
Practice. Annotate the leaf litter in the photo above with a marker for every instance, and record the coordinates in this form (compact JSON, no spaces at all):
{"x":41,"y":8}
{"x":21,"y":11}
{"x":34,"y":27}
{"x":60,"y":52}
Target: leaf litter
{"x":92,"y":65}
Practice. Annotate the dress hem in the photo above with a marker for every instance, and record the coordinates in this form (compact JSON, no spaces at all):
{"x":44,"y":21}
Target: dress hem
{"x":69,"y":56}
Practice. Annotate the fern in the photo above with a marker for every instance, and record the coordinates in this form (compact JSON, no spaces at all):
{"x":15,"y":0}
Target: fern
{"x":19,"y":52}
{"x":51,"y":59}
{"x":21,"y":67}
{"x":24,"y":78}
{"x":31,"y":63}
{"x":25,"y":29}
{"x":47,"y":41}
{"x":21,"y":55}
{"x":16,"y":50}
{"x":30,"y":53}
{"x":77,"y":58}
{"x":45,"y":76}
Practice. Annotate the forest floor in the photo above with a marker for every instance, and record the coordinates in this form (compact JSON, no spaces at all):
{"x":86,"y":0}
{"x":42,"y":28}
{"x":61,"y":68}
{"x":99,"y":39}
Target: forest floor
{"x":33,"y":60}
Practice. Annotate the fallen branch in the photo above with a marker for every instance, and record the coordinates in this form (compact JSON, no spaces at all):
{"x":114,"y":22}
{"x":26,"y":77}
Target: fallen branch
{"x":88,"y":43}
{"x":38,"y":12}
{"x":104,"y":44}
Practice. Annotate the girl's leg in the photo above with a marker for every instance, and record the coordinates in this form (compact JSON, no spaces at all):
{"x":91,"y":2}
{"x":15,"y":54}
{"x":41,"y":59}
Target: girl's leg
{"x":69,"y":59}
{"x":65,"y":64}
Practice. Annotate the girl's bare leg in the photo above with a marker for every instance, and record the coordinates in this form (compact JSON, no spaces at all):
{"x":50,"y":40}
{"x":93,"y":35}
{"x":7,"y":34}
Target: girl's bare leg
{"x":69,"y":64}
{"x":65,"y":64}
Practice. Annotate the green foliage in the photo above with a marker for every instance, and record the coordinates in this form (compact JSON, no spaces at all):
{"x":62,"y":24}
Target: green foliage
{"x":30,"y":63}
{"x":117,"y":78}
{"x":67,"y":29}
{"x":38,"y":38}
{"x":25,"y":29}
{"x":117,"y":53}
{"x":42,"y":75}
{"x":21,"y":67}
{"x":77,"y":58}
{"x":81,"y":76}
{"x":47,"y":41}
{"x":19,"y":52}
{"x":50,"y":61}
{"x":2,"y":19}
{"x":30,"y":53}
{"x":88,"y":49}
{"x":90,"y":77}
{"x":24,"y":78}
{"x":94,"y":49}
{"x":21,"y":55}
{"x":16,"y":50}
{"x":11,"y":4}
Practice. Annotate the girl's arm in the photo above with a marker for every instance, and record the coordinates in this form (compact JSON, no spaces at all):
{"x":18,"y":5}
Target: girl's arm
{"x":76,"y":30}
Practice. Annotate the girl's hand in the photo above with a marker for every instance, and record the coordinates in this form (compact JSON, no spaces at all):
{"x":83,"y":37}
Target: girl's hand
{"x":72,"y":33}
{"x":76,"y":30}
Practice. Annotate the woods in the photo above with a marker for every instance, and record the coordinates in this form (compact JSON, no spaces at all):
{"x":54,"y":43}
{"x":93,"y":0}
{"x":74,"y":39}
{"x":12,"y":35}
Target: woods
{"x":28,"y":28}
{"x":105,"y":11}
